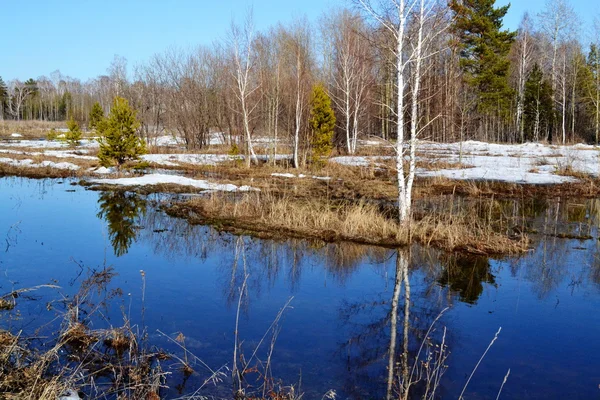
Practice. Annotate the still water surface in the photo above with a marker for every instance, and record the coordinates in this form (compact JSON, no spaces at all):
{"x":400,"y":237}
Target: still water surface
{"x":336,"y":332}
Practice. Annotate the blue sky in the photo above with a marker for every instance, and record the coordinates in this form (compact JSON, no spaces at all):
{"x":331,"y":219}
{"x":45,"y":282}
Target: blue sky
{"x":81,"y":37}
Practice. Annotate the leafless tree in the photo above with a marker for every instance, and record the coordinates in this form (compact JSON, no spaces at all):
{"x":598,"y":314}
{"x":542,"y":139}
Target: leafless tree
{"x":244,"y":58}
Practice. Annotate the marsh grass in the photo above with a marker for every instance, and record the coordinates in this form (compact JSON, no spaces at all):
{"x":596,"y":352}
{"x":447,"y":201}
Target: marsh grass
{"x":29,"y":129}
{"x":268,"y":215}
{"x":89,"y":356}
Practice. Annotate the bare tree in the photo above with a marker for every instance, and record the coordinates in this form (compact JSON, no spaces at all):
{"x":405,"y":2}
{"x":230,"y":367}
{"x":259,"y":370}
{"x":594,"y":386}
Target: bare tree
{"x":557,"y":21}
{"x":352,"y":71}
{"x":296,"y":47}
{"x":244,"y":57}
{"x":394,"y":16}
{"x":19,"y":93}
{"x":524,"y":56}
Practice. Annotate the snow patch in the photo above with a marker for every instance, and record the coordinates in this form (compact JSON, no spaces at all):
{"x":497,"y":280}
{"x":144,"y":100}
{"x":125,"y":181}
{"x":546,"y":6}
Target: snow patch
{"x":288,"y":175}
{"x":102,"y":170}
{"x":158,"y":179}
{"x":30,"y":163}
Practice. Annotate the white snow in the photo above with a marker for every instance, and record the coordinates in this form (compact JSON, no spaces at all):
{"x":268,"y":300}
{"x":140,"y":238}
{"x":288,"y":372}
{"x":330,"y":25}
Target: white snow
{"x":102,"y":170}
{"x":16,"y":135}
{"x":198,"y":159}
{"x":533,"y":163}
{"x":30,"y":163}
{"x":288,"y":175}
{"x":33,"y":144}
{"x":280,"y":175}
{"x":158,"y":179}
{"x":359,"y":161}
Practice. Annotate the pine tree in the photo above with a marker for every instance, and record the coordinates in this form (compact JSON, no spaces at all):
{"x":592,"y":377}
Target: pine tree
{"x":96,"y":115}
{"x":484,"y":49}
{"x":118,"y":140}
{"x":3,"y":97}
{"x":538,"y":106}
{"x":73,"y":136}
{"x":322,"y":123}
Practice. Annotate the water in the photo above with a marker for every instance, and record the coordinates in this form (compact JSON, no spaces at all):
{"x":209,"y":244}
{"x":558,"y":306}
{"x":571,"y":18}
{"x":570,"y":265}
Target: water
{"x":336,"y":332}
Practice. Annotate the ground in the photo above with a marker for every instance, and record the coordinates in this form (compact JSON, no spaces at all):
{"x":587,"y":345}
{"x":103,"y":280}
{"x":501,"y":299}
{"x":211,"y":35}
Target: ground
{"x":330,"y":202}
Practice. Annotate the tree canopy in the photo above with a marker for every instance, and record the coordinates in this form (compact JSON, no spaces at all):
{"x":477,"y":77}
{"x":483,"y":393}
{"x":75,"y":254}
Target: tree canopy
{"x":119,"y":141}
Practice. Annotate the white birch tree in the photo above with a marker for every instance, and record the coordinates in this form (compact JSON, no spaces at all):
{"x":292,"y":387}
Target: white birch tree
{"x":241,"y":41}
{"x":394,"y":16}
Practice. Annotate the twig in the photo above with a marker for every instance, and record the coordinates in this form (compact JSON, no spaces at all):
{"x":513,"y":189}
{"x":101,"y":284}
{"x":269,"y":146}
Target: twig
{"x":479,"y":362}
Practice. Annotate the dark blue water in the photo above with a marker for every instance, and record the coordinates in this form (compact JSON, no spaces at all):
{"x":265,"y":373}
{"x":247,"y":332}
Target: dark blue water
{"x":336,"y":332}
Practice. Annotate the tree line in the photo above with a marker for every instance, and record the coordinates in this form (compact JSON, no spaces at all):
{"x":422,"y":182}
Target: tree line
{"x":456,"y":74}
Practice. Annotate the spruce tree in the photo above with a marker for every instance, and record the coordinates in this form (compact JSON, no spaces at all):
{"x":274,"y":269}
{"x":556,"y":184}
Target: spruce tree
{"x":484,"y":49}
{"x":3,"y":97}
{"x":538,"y":106}
{"x":118,"y":135}
{"x":96,"y":115}
{"x":73,"y":135}
{"x":322,"y":123}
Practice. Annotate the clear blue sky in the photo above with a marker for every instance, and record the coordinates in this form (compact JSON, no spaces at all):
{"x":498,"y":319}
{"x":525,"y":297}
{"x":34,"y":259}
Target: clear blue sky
{"x":81,"y":37}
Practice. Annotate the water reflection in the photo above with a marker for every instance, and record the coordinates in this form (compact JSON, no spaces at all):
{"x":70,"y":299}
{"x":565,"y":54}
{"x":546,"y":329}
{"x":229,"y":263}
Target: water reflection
{"x":121,"y":211}
{"x":465,"y":275}
{"x":383,"y":334}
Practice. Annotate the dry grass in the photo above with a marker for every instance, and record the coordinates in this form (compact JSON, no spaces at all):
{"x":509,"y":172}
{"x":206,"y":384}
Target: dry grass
{"x":267,"y":215}
{"x":39,"y":172}
{"x":29,"y":129}
{"x":105,"y":362}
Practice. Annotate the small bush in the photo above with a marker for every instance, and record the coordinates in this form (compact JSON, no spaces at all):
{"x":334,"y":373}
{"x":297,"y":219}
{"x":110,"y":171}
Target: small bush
{"x":73,"y":136}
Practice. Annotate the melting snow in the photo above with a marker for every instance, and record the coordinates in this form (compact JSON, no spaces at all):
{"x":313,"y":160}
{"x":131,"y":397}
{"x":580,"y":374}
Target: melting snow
{"x":158,"y":179}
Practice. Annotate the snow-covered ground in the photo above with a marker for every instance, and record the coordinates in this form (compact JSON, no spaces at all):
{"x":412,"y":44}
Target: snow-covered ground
{"x":43,"y":164}
{"x":161,"y":179}
{"x":288,"y":175}
{"x":171,"y":160}
{"x":525,"y":163}
{"x":533,"y":163}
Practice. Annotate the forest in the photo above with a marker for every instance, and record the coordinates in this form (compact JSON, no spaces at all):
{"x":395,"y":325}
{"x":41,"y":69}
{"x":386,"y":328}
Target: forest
{"x":474,"y":79}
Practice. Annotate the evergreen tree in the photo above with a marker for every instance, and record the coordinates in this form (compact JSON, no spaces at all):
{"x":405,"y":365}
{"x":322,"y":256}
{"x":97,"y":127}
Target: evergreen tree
{"x":3,"y":97}
{"x":118,"y":139}
{"x":538,"y":106}
{"x":73,"y":135}
{"x":484,"y":49}
{"x":322,"y":123}
{"x":96,"y":115}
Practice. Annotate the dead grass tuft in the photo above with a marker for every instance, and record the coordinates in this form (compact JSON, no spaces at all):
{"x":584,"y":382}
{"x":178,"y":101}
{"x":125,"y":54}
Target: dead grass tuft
{"x":269,"y":216}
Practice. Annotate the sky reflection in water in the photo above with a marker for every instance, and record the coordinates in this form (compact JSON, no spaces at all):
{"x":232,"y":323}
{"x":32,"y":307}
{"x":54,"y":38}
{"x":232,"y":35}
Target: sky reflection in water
{"x":337,"y":333}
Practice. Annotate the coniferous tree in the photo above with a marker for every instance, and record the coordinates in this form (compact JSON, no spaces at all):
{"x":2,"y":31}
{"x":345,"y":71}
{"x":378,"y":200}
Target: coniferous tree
{"x":322,"y":123}
{"x":484,"y":48}
{"x":73,"y":135}
{"x":538,"y":106}
{"x":118,"y":135}
{"x":96,"y":115}
{"x":3,"y":97}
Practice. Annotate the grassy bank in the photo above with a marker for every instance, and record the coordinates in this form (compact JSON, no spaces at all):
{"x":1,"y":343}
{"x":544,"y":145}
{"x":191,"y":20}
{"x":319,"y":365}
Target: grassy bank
{"x":267,"y":215}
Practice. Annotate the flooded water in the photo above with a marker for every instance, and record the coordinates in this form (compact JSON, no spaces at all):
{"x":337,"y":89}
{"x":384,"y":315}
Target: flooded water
{"x":345,"y":303}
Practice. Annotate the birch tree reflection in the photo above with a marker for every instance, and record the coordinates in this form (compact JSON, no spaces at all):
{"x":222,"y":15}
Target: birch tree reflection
{"x":401,"y":336}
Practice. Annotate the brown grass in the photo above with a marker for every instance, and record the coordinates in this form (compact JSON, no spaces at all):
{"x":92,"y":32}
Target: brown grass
{"x":29,"y":129}
{"x":269,"y":216}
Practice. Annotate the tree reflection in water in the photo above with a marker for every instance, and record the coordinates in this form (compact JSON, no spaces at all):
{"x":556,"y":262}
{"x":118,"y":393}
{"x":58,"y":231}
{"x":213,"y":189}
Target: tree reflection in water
{"x":465,"y":275}
{"x":121,"y":211}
